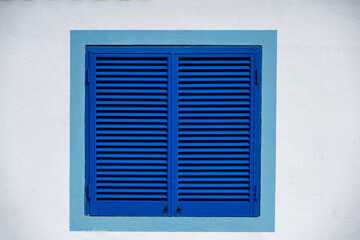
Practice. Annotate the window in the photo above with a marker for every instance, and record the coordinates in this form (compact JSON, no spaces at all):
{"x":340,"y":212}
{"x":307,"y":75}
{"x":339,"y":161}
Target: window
{"x":173,"y":131}
{"x":180,"y":127}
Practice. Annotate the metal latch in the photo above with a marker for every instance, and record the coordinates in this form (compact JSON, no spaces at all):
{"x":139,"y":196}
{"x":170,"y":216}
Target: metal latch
{"x":178,"y":208}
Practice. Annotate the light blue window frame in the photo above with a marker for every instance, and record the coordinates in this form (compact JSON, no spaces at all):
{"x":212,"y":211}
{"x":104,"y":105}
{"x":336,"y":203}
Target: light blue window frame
{"x":79,"y":221}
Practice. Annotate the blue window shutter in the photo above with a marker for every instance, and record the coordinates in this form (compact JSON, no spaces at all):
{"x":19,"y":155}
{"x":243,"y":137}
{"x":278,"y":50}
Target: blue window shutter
{"x":128,"y":118}
{"x":173,"y":131}
{"x":216,"y":139}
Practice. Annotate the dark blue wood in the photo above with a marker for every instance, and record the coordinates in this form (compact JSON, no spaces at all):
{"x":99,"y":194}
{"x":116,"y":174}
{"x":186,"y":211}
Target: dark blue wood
{"x":92,"y":133}
{"x":200,"y":104}
{"x":257,"y":131}
{"x":128,"y":137}
{"x":212,"y":110}
{"x":87,"y":135}
{"x":175,"y":141}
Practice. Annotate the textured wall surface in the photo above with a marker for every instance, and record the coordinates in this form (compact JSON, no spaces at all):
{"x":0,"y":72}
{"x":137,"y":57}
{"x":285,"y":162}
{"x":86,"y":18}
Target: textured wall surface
{"x":318,"y":144}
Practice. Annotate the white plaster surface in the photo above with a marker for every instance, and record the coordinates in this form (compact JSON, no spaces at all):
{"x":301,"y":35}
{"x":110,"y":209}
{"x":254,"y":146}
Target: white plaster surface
{"x":318,"y":109}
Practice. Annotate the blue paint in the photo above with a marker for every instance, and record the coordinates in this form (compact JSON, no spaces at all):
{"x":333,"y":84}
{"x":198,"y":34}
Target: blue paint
{"x":134,"y":203}
{"x":256,"y":130}
{"x":78,"y":219}
{"x":173,"y":121}
{"x":149,"y":200}
{"x":197,"y":205}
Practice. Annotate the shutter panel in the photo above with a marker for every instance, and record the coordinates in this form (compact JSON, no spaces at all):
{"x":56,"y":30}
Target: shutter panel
{"x":215,"y":117}
{"x":128,"y":134}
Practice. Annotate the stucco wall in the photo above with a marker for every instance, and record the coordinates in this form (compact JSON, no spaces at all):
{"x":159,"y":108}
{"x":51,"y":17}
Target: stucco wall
{"x":318,"y":146}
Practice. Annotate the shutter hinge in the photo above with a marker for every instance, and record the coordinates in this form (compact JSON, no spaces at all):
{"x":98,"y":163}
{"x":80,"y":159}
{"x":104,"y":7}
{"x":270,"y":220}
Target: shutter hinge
{"x":256,"y":77}
{"x":88,"y":191}
{"x":87,"y":76}
{"x":256,"y":191}
{"x":166,"y":208}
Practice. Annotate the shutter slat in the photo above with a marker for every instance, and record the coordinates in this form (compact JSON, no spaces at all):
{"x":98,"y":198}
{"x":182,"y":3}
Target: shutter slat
{"x":127,"y":126}
{"x":213,"y":132}
{"x":216,"y":62}
{"x":214,"y":180}
{"x":190,"y":168}
{"x":122,"y":167}
{"x":131,"y":85}
{"x":233,"y":74}
{"x":212,"y":162}
{"x":132,"y":67}
{"x":131,"y":179}
{"x":209,"y":91}
{"x":206,"y":97}
{"x":214,"y":138}
{"x":210,"y":197}
{"x":213,"y":174}
{"x":129,"y":184}
{"x":213,"y":144}
{"x":123,"y":61}
{"x":127,"y":97}
{"x":213,"y":150}
{"x":131,"y":132}
{"x":129,"y":190}
{"x":130,"y":155}
{"x":130,"y":120}
{"x":131,"y":114}
{"x":130,"y":196}
{"x":213,"y":185}
{"x":212,"y":67}
{"x":132,"y":109}
{"x":215,"y":103}
{"x":148,"y":91}
{"x":219,"y":120}
{"x":213,"y":79}
{"x":213,"y":155}
{"x":131,"y":138}
{"x":131,"y":161}
{"x":214,"y":109}
{"x":142,"y":103}
{"x":132,"y":79}
{"x":213,"y":127}
{"x":206,"y":115}
{"x":213,"y":191}
{"x":128,"y":173}
{"x":137,"y":144}
{"x":128,"y":149}
{"x":214,"y":85}
{"x":210,"y":127}
{"x":130,"y":73}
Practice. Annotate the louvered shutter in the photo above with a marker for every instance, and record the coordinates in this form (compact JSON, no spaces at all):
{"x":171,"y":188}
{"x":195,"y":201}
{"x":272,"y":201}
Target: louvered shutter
{"x":128,"y":134}
{"x":173,"y":126}
{"x":216,"y":120}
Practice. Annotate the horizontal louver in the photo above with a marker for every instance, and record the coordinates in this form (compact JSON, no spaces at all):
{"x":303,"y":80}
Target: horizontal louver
{"x":214,"y":128}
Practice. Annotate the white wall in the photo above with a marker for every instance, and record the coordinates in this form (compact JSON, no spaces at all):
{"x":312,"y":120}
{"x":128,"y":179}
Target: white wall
{"x":318,"y":110}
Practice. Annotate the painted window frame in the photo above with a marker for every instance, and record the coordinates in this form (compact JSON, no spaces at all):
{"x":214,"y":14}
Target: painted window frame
{"x":79,"y":39}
